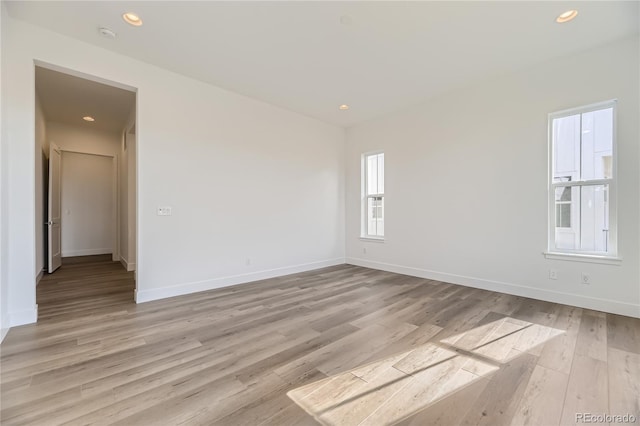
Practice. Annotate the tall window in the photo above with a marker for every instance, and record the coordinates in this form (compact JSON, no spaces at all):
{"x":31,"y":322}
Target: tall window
{"x":582,"y":182}
{"x":373,"y":195}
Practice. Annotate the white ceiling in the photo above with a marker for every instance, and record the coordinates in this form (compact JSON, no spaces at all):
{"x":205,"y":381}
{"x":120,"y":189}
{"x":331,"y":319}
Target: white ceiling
{"x":302,"y":56}
{"x":66,"y":99}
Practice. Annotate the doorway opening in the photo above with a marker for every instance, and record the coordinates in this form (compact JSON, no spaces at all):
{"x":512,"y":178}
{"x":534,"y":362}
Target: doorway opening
{"x":85,"y":190}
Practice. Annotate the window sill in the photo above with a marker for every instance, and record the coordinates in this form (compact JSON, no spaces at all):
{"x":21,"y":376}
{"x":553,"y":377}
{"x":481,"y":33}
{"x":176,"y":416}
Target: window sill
{"x":373,"y":239}
{"x":578,"y":257}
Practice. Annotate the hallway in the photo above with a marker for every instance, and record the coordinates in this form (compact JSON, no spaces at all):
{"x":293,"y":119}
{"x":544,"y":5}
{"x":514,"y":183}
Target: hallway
{"x":84,"y":285}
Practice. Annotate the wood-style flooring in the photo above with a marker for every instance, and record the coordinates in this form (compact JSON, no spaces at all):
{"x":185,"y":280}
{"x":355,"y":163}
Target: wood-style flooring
{"x":249,"y":354}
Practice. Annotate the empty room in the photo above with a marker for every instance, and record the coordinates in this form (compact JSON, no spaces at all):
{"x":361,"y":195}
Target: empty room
{"x":320,"y":213}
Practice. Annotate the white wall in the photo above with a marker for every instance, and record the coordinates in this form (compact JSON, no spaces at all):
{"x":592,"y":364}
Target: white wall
{"x":88,"y":204}
{"x":131,"y":201}
{"x":18,"y":181}
{"x":246,"y":180}
{"x":4,"y":186}
{"x":466,"y":183}
{"x":123,"y":176}
{"x":42,"y":149}
{"x":82,"y":138}
{"x":127,"y":182}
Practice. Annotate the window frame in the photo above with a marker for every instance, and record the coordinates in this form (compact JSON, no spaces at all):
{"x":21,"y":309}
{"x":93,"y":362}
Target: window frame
{"x":364,"y":228}
{"x":611,"y":255}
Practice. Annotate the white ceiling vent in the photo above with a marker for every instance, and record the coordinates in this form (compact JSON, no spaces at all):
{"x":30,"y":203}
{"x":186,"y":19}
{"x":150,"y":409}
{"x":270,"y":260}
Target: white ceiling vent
{"x":107,"y":33}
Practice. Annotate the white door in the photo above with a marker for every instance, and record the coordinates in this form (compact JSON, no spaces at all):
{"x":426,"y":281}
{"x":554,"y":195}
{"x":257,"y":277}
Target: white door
{"x":55,"y":236}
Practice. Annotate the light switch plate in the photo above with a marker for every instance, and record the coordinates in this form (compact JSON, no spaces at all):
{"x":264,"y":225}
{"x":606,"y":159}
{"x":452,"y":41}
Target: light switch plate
{"x":164,"y":211}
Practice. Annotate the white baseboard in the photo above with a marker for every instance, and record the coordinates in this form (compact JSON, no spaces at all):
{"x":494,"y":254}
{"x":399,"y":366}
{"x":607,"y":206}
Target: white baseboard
{"x":605,"y":305}
{"x":28,"y":316}
{"x":86,"y":252}
{"x":129,"y":266}
{"x":194,"y":287}
{"x":4,"y":328}
{"x":39,"y":277}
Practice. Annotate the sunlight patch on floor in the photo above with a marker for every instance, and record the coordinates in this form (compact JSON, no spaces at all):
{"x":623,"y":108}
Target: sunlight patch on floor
{"x":502,"y":340}
{"x":394,"y":388}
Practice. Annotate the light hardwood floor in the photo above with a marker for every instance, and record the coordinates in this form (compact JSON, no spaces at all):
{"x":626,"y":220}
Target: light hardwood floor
{"x":231,"y":356}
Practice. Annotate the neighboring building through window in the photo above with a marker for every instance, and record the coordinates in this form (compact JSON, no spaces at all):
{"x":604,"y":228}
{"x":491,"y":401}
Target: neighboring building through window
{"x":582,"y":182}
{"x":563,"y":207}
{"x":373,"y":195}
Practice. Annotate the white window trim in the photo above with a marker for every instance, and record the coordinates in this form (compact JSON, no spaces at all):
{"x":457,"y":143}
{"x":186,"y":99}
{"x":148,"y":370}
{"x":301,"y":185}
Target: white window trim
{"x":611,"y":257}
{"x":373,"y":239}
{"x":364,"y":196}
{"x":579,"y":257}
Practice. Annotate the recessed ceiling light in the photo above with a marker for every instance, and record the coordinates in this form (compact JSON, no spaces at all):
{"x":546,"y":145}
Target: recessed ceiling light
{"x":132,"y":18}
{"x":566,"y":16}
{"x":88,"y":118}
{"x":343,"y":107}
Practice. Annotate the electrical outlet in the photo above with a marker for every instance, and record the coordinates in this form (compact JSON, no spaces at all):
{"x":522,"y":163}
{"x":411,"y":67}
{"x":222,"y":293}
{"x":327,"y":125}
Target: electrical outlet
{"x":553,"y":274}
{"x":364,"y":250}
{"x":248,"y":261}
{"x":585,"y":278}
